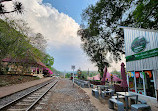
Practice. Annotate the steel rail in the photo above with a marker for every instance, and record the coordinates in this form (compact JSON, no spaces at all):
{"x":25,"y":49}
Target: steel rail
{"x":40,"y":97}
{"x":6,"y":105}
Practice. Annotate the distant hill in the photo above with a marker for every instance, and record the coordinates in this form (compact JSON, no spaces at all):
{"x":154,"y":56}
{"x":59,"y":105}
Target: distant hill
{"x":55,"y":71}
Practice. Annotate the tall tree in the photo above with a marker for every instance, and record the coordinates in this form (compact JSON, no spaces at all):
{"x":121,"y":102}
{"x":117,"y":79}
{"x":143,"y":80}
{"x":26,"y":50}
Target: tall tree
{"x":18,"y":7}
{"x":15,"y":43}
{"x":103,"y":20}
{"x":144,"y":15}
{"x":36,"y":43}
{"x":39,"y":42}
{"x":94,"y":48}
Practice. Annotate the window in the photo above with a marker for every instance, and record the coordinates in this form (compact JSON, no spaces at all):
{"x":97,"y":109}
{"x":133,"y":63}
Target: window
{"x":139,"y":82}
{"x":149,"y":84}
{"x":144,"y":83}
{"x":131,"y":81}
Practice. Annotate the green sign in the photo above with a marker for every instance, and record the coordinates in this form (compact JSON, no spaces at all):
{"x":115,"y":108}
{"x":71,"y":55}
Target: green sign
{"x":139,"y":44}
{"x":143,"y":55}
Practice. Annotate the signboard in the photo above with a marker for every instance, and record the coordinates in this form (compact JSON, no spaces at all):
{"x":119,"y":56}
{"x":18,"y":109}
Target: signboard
{"x":72,"y":67}
{"x":142,"y":55}
{"x":139,"y":44}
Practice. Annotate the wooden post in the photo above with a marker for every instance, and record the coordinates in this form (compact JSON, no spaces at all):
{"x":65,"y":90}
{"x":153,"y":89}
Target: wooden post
{"x":36,"y":70}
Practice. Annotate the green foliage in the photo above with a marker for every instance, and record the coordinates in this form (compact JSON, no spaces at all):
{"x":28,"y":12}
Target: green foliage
{"x":18,"y":7}
{"x":101,"y":36}
{"x":84,"y":74}
{"x":12,"y":42}
{"x":15,"y":43}
{"x":36,"y":78}
{"x":145,"y":15}
{"x":92,"y":73}
{"x":67,"y":75}
{"x":48,"y":60}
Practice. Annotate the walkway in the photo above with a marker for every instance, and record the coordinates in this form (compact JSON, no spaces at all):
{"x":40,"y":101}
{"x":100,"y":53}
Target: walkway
{"x":100,"y":104}
{"x":7,"y":90}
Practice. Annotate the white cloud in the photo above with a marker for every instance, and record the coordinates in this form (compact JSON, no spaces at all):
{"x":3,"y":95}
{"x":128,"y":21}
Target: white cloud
{"x":60,"y":31}
{"x":57,"y":27}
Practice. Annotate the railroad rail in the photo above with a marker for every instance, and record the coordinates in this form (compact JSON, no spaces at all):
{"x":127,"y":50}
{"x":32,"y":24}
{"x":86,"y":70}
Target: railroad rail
{"x":29,"y":99}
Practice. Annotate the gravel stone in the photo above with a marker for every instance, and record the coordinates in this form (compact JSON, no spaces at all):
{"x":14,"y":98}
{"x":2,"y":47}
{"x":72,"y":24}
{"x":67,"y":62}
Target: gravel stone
{"x":65,"y":97}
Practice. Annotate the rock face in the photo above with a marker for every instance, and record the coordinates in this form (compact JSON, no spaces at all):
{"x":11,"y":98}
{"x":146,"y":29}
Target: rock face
{"x":65,"y":97}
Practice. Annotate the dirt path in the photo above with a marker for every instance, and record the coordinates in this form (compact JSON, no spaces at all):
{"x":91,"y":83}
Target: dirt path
{"x":100,"y":104}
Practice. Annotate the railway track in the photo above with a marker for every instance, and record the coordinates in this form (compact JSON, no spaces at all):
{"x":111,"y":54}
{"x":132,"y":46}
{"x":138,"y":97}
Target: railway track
{"x":28,"y":100}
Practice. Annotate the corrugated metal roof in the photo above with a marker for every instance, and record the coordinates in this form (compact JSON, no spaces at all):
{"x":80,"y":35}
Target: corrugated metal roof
{"x":150,"y":30}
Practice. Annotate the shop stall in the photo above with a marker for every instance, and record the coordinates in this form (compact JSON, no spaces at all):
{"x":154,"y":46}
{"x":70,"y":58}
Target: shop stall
{"x":141,"y":51}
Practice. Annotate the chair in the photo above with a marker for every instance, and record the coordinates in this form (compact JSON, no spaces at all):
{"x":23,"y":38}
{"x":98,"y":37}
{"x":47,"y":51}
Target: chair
{"x":120,"y":104}
{"x":132,"y":101}
{"x":136,"y":107}
{"x":110,"y":92}
{"x":95,"y":93}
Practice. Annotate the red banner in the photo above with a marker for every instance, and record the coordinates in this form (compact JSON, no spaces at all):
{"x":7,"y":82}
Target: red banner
{"x":137,"y":74}
{"x":149,"y":73}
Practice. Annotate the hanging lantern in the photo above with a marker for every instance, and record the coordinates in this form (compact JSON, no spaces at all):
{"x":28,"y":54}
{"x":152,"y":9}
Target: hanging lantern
{"x":148,"y":73}
{"x":132,"y":74}
{"x":137,"y":74}
{"x":129,"y":74}
{"x":142,"y":75}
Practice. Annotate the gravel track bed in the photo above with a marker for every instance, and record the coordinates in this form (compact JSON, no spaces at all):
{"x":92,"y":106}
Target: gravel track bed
{"x":7,"y":99}
{"x":66,"y":98}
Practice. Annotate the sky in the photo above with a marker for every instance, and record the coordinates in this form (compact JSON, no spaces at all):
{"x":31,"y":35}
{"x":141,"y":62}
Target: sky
{"x":58,"y":21}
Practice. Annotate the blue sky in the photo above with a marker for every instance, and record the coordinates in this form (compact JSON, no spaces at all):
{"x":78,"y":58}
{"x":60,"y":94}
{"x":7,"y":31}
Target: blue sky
{"x":72,"y":8}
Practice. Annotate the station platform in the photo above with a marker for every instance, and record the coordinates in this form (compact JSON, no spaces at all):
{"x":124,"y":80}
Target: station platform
{"x":7,"y":90}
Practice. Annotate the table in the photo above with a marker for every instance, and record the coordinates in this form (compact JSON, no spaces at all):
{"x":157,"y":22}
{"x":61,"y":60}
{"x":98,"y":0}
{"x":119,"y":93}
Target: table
{"x":102,"y":87}
{"x":127,"y":94}
{"x":109,"y":91}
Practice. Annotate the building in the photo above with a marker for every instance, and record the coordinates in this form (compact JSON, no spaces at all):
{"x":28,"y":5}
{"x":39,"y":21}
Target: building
{"x":141,"y":51}
{"x":23,"y":66}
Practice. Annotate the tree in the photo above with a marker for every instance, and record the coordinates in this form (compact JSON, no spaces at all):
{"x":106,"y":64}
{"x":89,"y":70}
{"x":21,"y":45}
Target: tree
{"x":103,"y":20}
{"x":55,"y":71}
{"x":67,"y":75}
{"x":79,"y":73}
{"x":98,"y":55}
{"x":36,"y":43}
{"x":12,"y":42}
{"x":145,"y":15}
{"x":15,"y":43}
{"x":39,"y":42}
{"x":17,"y":7}
{"x":48,"y":60}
